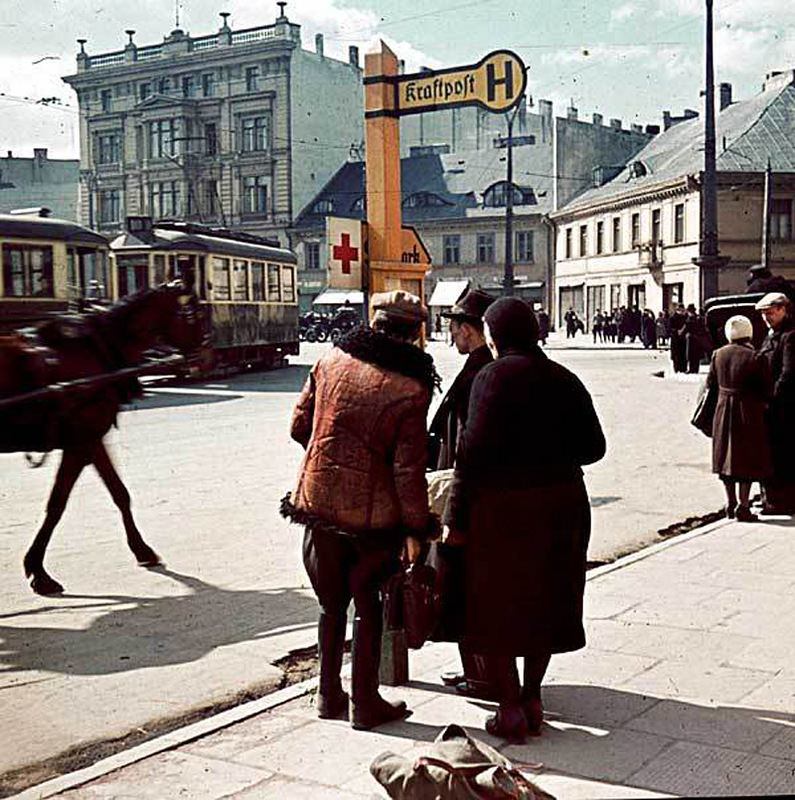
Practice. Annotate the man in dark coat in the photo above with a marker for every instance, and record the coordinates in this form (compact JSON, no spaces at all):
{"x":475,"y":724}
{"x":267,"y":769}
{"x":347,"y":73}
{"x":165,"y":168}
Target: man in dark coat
{"x":678,"y":344}
{"x":543,"y":326}
{"x":466,"y":328}
{"x":519,"y":500}
{"x":779,"y":350}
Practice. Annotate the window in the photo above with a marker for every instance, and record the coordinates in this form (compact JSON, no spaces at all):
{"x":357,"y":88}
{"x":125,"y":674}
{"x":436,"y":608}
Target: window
{"x":164,"y":199}
{"x":568,"y":242}
{"x":496,"y":196}
{"x":105,"y":99}
{"x":162,"y":138}
{"x":583,"y":240}
{"x":679,"y":222}
{"x":221,"y":283}
{"x":164,"y":86}
{"x":208,"y":84}
{"x":132,"y":273}
{"x":252,"y":75}
{"x":485,"y":248}
{"x":358,"y":204}
{"x":288,"y":285}
{"x":324,"y":206}
{"x":210,"y":139}
{"x":616,"y":234}
{"x":311,"y":255}
{"x":108,"y":148}
{"x":615,"y":296}
{"x":255,"y":195}
{"x":600,"y":237}
{"x":109,"y":206}
{"x":423,"y":199}
{"x":257,"y":281}
{"x":211,"y":197}
{"x":240,"y":280}
{"x":27,"y":271}
{"x":523,"y":249}
{"x":160,"y":270}
{"x":255,"y":134}
{"x":656,"y":225}
{"x":781,"y":219}
{"x":451,"y":246}
{"x":189,"y":86}
{"x":274,"y":283}
{"x":144,"y":90}
{"x":635,"y":230}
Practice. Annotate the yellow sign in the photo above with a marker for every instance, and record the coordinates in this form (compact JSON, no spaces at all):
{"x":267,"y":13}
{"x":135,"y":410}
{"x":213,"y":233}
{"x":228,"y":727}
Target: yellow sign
{"x":414,"y":250}
{"x":496,"y":83}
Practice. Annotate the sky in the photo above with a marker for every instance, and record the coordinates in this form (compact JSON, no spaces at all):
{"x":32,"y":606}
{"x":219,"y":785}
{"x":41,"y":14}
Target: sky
{"x":629,"y":59}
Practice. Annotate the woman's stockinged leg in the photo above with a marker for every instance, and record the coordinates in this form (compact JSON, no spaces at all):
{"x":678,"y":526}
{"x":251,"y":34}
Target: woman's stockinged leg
{"x":731,"y":495}
{"x":509,"y":722}
{"x":535,"y":667}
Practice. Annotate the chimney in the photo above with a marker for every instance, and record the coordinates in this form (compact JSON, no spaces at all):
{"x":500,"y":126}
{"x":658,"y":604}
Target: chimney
{"x":40,"y":154}
{"x":725,"y":95}
{"x":571,"y":112}
{"x":615,"y":124}
{"x":402,"y":67}
{"x":636,"y":128}
{"x":319,"y":44}
{"x":10,"y":154}
{"x":666,"y":120}
{"x":652,"y":130}
{"x":597,"y":120}
{"x":353,"y":55}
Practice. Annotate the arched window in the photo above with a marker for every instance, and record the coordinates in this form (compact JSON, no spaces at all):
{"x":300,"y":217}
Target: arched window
{"x":423,"y":200}
{"x":637,"y":169}
{"x":324,"y":206}
{"x":358,"y":203}
{"x":496,"y":196}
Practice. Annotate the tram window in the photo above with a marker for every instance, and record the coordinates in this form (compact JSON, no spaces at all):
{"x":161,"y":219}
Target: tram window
{"x":93,"y":273}
{"x":133,"y":273}
{"x":159,"y":275}
{"x":274,"y":283}
{"x":27,"y":271}
{"x":72,"y":280}
{"x":221,"y":287}
{"x":288,"y":285}
{"x":257,"y":280}
{"x":240,"y":280}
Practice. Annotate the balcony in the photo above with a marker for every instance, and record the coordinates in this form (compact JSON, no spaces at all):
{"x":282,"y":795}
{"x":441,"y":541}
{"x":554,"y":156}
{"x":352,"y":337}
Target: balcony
{"x":650,"y":254}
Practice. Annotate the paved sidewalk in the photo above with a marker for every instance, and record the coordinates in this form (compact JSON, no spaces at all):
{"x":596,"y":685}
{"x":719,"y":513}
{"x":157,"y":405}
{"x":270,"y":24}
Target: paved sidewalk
{"x":687,"y":687}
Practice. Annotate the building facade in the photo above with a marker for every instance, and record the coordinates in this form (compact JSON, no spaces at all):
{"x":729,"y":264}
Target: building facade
{"x":632,"y":239}
{"x":39,"y":181}
{"x":239,"y":128}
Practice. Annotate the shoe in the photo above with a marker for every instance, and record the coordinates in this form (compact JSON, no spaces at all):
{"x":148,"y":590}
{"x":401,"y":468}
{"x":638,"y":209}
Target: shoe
{"x":377,"y":712}
{"x":508,"y":723}
{"x":333,"y":707}
{"x":452,"y":678}
{"x":534,"y":714}
{"x":744,"y":514}
{"x":730,"y":510}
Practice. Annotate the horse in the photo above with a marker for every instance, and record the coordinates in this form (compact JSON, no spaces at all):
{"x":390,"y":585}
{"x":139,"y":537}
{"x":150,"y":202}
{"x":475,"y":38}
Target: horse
{"x":79,"y":348}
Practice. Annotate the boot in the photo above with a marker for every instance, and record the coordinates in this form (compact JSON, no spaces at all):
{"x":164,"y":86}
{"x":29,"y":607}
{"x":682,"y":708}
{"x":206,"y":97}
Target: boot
{"x":332,"y":700}
{"x":369,"y":709}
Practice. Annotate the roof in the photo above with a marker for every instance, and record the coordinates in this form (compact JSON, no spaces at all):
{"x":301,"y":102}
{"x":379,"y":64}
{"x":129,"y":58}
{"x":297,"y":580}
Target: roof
{"x":35,"y":227}
{"x":748,"y":133}
{"x":454,"y":182}
{"x":165,"y":239}
{"x":448,"y":293}
{"x":338,"y":297}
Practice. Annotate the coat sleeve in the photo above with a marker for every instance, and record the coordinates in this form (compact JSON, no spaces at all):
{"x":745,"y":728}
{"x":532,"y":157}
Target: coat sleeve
{"x":785,"y":385}
{"x":586,"y":435}
{"x":410,"y":459}
{"x":301,"y":426}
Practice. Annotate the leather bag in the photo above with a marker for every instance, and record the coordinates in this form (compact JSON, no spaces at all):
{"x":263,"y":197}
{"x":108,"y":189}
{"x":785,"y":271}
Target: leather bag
{"x":412,"y":603}
{"x":454,"y":767}
{"x":705,"y":408}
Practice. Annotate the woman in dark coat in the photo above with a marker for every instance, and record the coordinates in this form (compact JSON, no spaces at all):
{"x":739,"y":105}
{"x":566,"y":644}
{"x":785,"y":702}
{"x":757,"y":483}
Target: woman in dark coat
{"x":519,"y":501}
{"x":740,"y":449}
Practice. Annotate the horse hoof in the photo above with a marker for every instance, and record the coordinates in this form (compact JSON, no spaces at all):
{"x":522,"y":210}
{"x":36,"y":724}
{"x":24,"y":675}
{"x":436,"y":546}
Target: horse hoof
{"x":46,"y":586}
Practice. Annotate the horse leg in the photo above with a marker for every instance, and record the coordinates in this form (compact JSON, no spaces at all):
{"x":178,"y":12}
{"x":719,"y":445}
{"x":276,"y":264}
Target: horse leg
{"x":121,"y":497}
{"x":72,"y":463}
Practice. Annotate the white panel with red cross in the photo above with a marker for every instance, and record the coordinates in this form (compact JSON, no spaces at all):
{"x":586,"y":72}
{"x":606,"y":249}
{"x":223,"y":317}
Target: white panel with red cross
{"x":344,"y":237}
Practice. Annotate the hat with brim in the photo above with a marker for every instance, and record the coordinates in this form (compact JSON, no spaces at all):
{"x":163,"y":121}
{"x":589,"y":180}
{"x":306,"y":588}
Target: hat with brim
{"x":772,"y":299}
{"x":471,"y":307}
{"x":398,"y":305}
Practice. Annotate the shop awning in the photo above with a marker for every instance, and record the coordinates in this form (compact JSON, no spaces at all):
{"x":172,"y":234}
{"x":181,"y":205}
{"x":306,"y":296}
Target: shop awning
{"x":338,"y":297}
{"x":447,"y":293}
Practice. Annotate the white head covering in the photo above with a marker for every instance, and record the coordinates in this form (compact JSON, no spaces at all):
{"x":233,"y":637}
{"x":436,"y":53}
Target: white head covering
{"x":772,"y":299}
{"x":738,"y":327}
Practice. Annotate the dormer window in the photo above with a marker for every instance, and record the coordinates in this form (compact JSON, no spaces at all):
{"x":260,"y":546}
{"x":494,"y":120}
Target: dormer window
{"x":323,"y":207}
{"x":637,"y":169}
{"x":496,"y":196}
{"x":423,"y":200}
{"x":358,"y":204}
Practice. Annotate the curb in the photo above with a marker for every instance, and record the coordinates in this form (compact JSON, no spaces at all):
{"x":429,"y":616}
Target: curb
{"x":224,"y":719}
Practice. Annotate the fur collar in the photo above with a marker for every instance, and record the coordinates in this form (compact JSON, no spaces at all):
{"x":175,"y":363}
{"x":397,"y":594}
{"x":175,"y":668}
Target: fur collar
{"x":376,"y":348}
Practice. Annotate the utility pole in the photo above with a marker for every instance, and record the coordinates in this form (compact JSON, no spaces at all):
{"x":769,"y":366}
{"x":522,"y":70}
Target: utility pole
{"x":709,"y":259}
{"x":508,"y":278}
{"x":766,"y":215}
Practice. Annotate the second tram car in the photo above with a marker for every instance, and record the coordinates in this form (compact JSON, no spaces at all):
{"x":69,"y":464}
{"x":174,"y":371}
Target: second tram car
{"x":246,"y":286}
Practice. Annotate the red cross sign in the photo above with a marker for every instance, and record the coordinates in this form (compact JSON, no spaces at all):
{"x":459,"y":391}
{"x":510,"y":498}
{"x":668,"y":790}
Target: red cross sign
{"x":344,"y":253}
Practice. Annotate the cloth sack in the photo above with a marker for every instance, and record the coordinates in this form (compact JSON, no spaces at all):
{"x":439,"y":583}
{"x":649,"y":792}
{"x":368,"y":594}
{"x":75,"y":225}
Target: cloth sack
{"x":439,"y":483}
{"x":454,"y":767}
{"x":705,"y":409}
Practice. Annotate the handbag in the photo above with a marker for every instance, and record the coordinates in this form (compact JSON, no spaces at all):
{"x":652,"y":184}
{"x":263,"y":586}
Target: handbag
{"x":412,"y":603}
{"x":705,"y":408}
{"x":454,"y":767}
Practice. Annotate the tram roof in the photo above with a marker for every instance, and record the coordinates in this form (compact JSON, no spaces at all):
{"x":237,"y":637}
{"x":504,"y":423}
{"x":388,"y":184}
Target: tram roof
{"x":163,"y":239}
{"x":23,"y":226}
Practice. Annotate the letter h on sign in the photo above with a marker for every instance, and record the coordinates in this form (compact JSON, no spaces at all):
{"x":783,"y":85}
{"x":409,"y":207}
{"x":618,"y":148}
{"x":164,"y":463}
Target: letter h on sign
{"x":492,"y":81}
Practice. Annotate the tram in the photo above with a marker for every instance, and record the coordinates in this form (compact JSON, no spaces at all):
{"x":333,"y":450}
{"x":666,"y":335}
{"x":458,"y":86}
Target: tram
{"x":246,"y":286}
{"x":48,"y":266}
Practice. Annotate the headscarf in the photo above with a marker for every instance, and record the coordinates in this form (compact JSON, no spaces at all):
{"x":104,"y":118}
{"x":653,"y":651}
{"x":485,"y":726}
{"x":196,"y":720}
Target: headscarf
{"x":512,"y":324}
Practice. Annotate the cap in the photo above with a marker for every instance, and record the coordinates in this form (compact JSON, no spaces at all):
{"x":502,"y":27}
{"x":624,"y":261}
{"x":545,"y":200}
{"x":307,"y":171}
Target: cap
{"x":471,"y":306}
{"x":738,"y":327}
{"x":772,"y":299}
{"x":398,"y":305}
